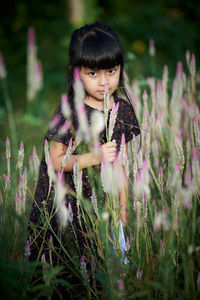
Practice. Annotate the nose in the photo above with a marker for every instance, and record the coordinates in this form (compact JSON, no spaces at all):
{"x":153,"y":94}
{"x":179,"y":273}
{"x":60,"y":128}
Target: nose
{"x":103,"y":79}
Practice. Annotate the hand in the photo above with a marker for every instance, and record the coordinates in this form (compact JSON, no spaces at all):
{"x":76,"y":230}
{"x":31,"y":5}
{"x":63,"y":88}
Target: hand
{"x":107,"y":152}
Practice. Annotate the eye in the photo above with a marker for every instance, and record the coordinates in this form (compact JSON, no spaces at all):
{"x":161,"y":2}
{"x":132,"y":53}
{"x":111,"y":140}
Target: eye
{"x":93,"y":73}
{"x":111,"y":71}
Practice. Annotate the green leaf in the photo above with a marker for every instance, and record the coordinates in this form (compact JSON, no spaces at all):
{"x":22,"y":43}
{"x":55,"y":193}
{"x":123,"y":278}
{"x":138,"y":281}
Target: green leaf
{"x":167,"y":132}
{"x":53,"y":272}
{"x":63,"y":283}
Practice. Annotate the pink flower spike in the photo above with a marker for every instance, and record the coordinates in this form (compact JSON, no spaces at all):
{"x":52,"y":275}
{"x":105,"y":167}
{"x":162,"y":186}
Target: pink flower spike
{"x":7,"y":141}
{"x":102,"y":167}
{"x":16,"y":198}
{"x":46,"y":142}
{"x":193,"y":60}
{"x":159,"y":86}
{"x":195,"y":120}
{"x":81,"y":108}
{"x":174,"y":85}
{"x":22,"y":146}
{"x":162,"y":243}
{"x":123,"y":139}
{"x":179,"y":69}
{"x":31,"y":36}
{"x":76,"y":74}
{"x":183,"y":100}
{"x":106,"y":87}
{"x":6,"y":178}
{"x":51,"y":240}
{"x":70,"y":143}
{"x":139,"y":274}
{"x":177,"y":167}
{"x":133,"y":136}
{"x":158,"y":117}
{"x":80,"y":177}
{"x":27,"y":250}
{"x":144,"y":166}
{"x":157,"y":227}
{"x":179,"y":136}
{"x":156,"y":163}
{"x":195,"y":154}
{"x":161,"y":171}
{"x":38,"y":68}
{"x":152,"y":114}
{"x":28,"y":245}
{"x":120,"y":285}
{"x":117,"y":107}
{"x":69,"y":207}
{"x":64,"y":99}
{"x":145,"y":96}
{"x":34,"y":150}
{"x":83,"y":259}
{"x":138,"y":177}
{"x":21,"y":179}
{"x":43,"y":259}
{"x":113,"y":109}
{"x":54,"y":121}
{"x":165,"y":68}
{"x":152,"y":47}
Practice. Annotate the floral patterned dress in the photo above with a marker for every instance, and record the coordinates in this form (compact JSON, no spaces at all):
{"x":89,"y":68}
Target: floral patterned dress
{"x":40,"y":231}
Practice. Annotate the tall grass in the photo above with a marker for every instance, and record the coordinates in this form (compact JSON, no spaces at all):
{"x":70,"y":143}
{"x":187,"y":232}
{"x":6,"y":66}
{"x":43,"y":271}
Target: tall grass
{"x":157,"y":254}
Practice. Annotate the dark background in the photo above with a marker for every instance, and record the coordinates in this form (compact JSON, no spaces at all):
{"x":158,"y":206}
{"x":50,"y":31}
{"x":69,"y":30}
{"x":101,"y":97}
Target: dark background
{"x":173,"y":24}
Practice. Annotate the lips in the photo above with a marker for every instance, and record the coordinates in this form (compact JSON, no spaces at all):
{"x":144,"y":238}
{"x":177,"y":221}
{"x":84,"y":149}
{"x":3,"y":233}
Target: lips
{"x":102,"y":92}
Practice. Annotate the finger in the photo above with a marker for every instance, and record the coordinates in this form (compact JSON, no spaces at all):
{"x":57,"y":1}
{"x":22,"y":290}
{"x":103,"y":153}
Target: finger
{"x":111,"y":150}
{"x":110,"y":147}
{"x":110,"y":144}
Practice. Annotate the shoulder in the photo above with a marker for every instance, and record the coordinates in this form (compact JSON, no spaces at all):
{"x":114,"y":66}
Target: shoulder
{"x":122,"y":102}
{"x":127,"y":118}
{"x":126,"y":110}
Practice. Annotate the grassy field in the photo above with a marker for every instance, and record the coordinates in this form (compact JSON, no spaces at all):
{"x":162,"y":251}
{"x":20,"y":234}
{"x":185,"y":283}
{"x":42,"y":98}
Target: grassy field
{"x":157,"y":255}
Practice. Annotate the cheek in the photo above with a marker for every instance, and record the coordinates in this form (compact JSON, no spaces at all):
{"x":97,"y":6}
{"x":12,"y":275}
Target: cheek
{"x":116,"y":82}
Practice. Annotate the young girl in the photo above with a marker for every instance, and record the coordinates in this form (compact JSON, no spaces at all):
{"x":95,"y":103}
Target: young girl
{"x":95,"y":49}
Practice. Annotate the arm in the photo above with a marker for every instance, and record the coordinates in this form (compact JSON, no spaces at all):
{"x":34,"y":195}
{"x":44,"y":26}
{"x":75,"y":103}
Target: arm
{"x":58,"y":150}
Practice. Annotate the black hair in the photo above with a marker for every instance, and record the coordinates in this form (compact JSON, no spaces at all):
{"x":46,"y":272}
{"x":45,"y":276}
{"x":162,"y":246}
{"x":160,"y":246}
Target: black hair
{"x":95,"y":46}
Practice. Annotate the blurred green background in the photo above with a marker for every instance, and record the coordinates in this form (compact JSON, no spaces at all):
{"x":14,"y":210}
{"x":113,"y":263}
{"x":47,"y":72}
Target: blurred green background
{"x":173,"y":24}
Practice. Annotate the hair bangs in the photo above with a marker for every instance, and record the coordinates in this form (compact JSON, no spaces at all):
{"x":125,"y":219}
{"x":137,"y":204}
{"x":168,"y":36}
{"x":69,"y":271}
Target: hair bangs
{"x":100,"y":51}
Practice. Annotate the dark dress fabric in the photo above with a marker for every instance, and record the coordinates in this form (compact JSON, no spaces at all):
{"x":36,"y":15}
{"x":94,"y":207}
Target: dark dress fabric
{"x":39,"y":229}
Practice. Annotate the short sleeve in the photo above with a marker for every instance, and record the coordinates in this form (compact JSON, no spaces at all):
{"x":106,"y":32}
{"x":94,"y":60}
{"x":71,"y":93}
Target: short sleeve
{"x":129,"y":121}
{"x":59,"y":129}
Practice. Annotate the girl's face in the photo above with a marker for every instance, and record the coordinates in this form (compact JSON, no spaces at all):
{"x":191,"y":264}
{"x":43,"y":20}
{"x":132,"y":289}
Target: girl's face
{"x":94,"y":81}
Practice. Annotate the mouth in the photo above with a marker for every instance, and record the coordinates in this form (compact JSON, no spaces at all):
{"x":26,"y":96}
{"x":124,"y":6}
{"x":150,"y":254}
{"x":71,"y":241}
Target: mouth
{"x":103,"y":91}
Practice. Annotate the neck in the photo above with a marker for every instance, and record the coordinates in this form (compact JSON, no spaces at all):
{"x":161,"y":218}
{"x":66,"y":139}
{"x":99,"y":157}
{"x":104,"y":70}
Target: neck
{"x":98,"y":104}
